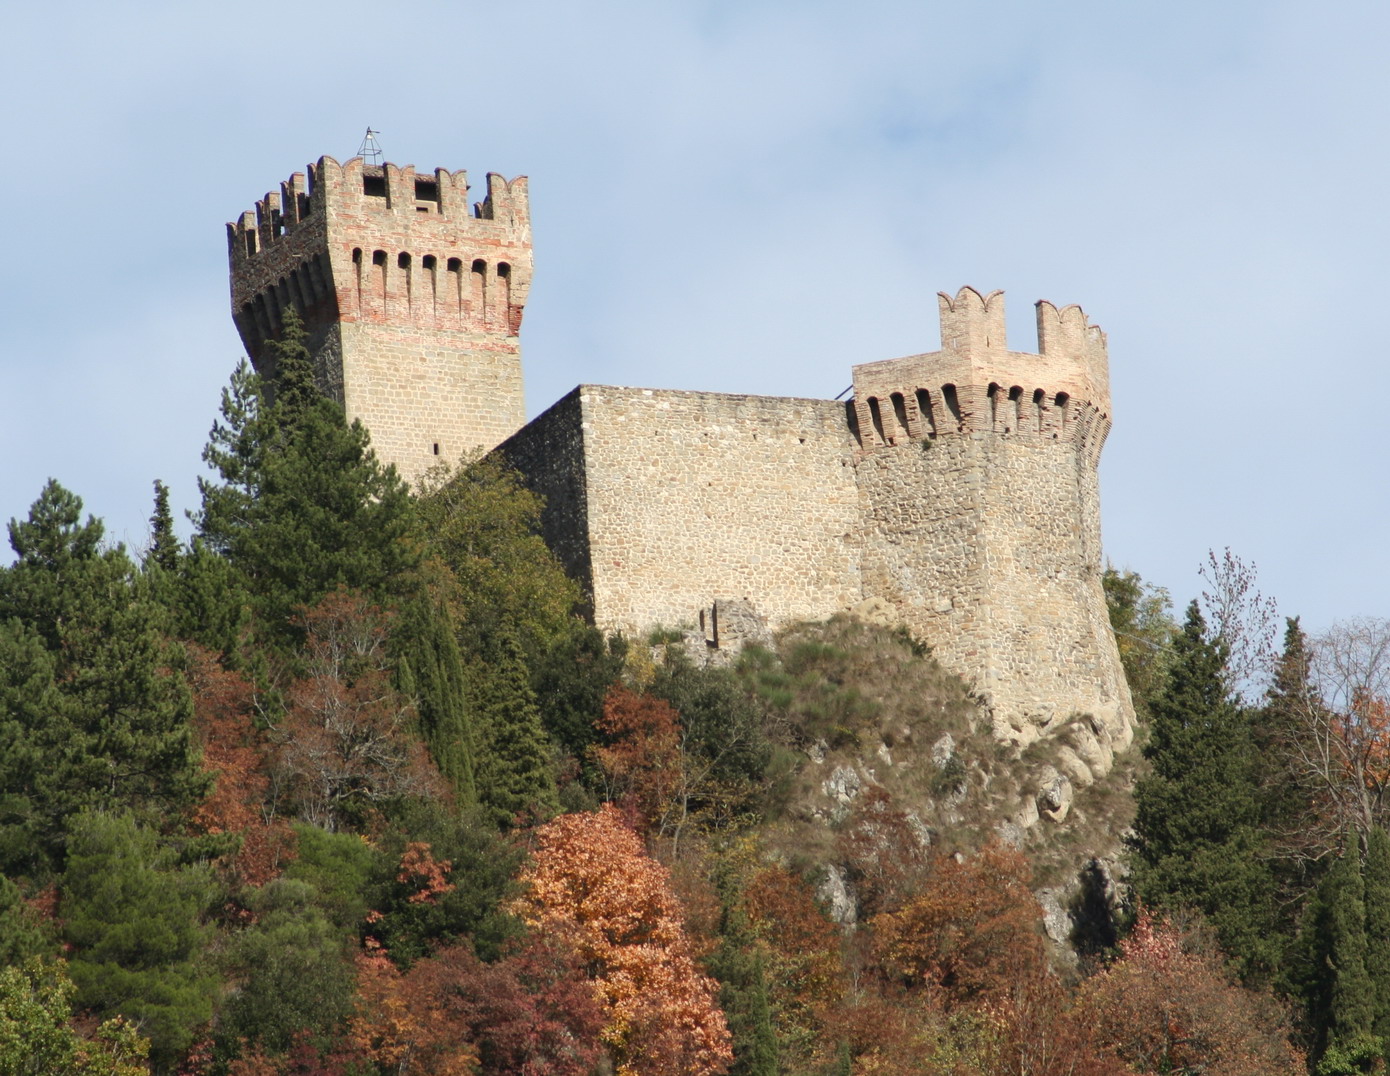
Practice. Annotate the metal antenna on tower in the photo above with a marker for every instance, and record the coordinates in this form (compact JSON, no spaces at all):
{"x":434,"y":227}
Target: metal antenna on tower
{"x":370,"y":149}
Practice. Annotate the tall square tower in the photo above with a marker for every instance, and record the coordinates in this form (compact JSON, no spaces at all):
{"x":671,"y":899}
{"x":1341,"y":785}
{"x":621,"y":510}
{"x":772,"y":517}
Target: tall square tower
{"x":412,"y":297}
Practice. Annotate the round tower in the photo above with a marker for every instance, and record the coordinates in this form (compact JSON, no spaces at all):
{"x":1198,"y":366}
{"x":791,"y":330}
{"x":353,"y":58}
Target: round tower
{"x":978,"y":471}
{"x":412,"y":297}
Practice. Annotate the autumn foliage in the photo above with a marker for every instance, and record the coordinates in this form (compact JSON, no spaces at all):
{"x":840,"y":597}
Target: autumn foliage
{"x":235,"y":754}
{"x":591,"y":883}
{"x":1161,"y":1009}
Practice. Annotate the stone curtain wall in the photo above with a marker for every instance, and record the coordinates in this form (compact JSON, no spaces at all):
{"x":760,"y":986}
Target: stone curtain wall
{"x":689,"y":498}
{"x":549,"y":452}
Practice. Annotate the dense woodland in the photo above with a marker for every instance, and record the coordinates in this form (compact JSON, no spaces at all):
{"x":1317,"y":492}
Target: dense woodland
{"x":346,"y":787}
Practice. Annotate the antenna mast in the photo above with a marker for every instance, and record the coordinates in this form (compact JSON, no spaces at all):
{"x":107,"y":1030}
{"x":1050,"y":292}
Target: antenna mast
{"x":370,"y":149}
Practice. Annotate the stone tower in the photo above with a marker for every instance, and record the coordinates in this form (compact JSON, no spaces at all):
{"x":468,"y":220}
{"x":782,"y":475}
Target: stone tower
{"x":979,"y":483}
{"x":412,"y":297}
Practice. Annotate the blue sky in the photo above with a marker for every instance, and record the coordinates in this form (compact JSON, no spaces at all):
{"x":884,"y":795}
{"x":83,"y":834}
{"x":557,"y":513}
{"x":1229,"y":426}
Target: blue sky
{"x":753,"y":196}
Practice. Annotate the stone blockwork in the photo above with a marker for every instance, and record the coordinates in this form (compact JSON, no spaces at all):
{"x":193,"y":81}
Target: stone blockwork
{"x":678,"y":500}
{"x":412,"y":297}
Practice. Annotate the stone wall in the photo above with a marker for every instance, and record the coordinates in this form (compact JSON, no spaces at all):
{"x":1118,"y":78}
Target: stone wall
{"x":689,"y":498}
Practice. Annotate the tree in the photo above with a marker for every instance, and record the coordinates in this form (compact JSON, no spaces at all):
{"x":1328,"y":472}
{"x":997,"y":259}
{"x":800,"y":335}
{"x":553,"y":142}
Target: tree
{"x":514,"y":775}
{"x":36,"y":1036}
{"x":591,"y":883}
{"x":303,"y":505}
{"x":430,"y":670}
{"x":164,"y":545}
{"x":294,"y":972}
{"x":484,"y":524}
{"x":134,"y":919}
{"x":1141,"y":617}
{"x":972,"y":932}
{"x":1241,"y":618}
{"x":237,"y":755}
{"x":347,"y":741}
{"x":102,"y":714}
{"x":1162,"y":1009}
{"x":1196,"y":838}
{"x":1376,"y":873}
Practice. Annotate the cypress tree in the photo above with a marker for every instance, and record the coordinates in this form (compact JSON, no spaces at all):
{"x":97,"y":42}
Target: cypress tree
{"x":1377,"y":896}
{"x":743,"y":995}
{"x":513,"y":773}
{"x":1336,"y":986}
{"x":430,"y":670}
{"x":1197,"y":841}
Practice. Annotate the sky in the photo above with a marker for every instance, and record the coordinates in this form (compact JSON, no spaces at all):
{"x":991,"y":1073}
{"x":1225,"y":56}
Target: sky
{"x":752,"y":196}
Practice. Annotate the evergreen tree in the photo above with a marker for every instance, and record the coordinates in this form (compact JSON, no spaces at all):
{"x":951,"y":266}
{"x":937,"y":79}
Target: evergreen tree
{"x":571,"y":680}
{"x":292,"y":366}
{"x":134,"y":919}
{"x":164,"y":546}
{"x":1336,"y":986}
{"x":295,"y":971}
{"x":1377,"y":897}
{"x":514,"y":774}
{"x":1290,"y":804}
{"x":303,"y":506}
{"x":1197,"y":841}
{"x":430,"y":670}
{"x":104,"y":718}
{"x":743,"y":995}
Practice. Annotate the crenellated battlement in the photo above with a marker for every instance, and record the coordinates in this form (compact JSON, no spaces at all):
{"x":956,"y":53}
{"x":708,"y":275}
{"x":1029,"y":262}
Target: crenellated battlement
{"x":975,"y":384}
{"x":382,"y":260}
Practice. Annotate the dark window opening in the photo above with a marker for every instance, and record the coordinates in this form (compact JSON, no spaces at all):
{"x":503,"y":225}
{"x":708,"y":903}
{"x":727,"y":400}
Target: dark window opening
{"x":379,"y":257}
{"x":924,"y":409}
{"x":948,"y":394}
{"x":428,"y":262}
{"x":436,"y":448}
{"x":374,"y":184}
{"x":426,"y":190}
{"x":403,"y":260}
{"x":900,"y":412}
{"x":876,"y":416}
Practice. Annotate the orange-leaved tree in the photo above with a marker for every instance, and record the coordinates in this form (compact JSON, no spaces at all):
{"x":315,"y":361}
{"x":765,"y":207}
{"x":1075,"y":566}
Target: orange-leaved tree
{"x":972,"y":932}
{"x":236,"y":754}
{"x":591,"y":883}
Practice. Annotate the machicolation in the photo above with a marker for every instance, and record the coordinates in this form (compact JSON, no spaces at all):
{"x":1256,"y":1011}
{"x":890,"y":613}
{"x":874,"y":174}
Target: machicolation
{"x":955,"y":494}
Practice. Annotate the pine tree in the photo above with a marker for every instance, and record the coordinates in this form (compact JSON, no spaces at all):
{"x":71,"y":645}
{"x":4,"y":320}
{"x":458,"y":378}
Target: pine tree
{"x":113,"y":731}
{"x":164,"y":546}
{"x":513,"y":774}
{"x":133,"y":918}
{"x":1197,"y":841}
{"x":304,"y":506}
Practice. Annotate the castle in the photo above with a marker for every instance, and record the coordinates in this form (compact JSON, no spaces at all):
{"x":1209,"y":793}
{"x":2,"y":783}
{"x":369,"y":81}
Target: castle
{"x":955,"y":493}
